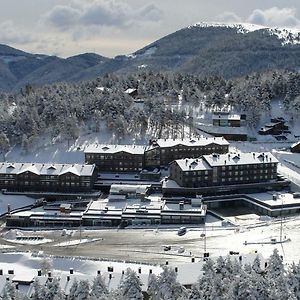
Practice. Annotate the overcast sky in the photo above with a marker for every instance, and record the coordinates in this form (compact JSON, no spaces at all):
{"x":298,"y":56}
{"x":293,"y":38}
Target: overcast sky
{"x":112,"y":27}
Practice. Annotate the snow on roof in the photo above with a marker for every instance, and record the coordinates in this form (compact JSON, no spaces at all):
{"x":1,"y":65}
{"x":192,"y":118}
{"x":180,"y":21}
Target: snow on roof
{"x":201,"y":141}
{"x":281,"y":198}
{"x":215,"y":160}
{"x":130,"y":90}
{"x":103,"y":148}
{"x":46,"y":169}
{"x":295,"y":144}
{"x":193,"y":164}
{"x":124,"y":188}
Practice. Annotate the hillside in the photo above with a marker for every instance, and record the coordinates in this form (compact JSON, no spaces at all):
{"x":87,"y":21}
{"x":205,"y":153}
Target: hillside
{"x":228,"y":50}
{"x":18,"y":68}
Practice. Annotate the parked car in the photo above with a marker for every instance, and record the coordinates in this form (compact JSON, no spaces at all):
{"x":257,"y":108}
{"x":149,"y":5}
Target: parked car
{"x":181,"y":250}
{"x":181,"y":231}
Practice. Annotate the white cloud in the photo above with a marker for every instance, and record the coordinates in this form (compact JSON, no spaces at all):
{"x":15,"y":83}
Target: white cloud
{"x":62,"y":16}
{"x":229,"y":16}
{"x":280,"y":17}
{"x":108,"y":13}
{"x":10,"y":34}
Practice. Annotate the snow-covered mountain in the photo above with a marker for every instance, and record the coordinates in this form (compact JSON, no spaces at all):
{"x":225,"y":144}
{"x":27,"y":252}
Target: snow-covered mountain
{"x":286,"y":35}
{"x":225,"y":49}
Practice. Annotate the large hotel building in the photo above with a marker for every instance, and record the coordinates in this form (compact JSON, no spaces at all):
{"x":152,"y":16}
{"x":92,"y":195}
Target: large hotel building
{"x":224,"y":169}
{"x":161,"y":152}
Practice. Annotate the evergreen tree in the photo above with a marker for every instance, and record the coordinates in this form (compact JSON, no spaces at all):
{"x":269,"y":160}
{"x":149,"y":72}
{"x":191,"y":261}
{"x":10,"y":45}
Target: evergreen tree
{"x":4,"y":144}
{"x":99,"y":288}
{"x":130,"y":287}
{"x":73,"y":290}
{"x":83,"y":290}
{"x":169,"y":287}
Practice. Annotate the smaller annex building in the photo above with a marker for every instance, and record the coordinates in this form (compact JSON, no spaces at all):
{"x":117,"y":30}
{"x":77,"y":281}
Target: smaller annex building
{"x":226,"y":119}
{"x":125,"y":205}
{"x":115,"y":158}
{"x":46,"y":177}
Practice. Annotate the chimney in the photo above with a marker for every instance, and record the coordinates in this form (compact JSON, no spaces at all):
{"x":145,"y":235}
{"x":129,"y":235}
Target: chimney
{"x":110,"y":276}
{"x":181,"y":205}
{"x":176,"y":269}
{"x":110,"y":269}
{"x":98,"y":272}
{"x":193,"y":259}
{"x":167,"y":262}
{"x":39,"y":272}
{"x":68,"y":278}
{"x":139,"y":270}
{"x":150,"y":271}
{"x":71,"y":271}
{"x":49,"y":274}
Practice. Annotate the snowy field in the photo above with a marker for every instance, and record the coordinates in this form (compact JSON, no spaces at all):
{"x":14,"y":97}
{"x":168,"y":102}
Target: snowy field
{"x":28,"y":263}
{"x":147,"y":245}
{"x":76,"y":242}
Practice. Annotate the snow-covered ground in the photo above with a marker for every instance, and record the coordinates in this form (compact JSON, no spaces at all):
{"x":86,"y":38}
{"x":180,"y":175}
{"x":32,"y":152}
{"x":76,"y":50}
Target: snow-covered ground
{"x":286,"y":35}
{"x":76,"y":242}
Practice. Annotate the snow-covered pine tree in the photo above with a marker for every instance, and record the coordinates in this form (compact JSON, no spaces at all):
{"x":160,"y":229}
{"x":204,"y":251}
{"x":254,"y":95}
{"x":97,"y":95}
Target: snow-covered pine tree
{"x":169,"y":287}
{"x":293,"y":279}
{"x":53,"y":290}
{"x":36,"y":295}
{"x":45,"y":265}
{"x":4,"y":144}
{"x":73,"y":290}
{"x":152,"y":286}
{"x":130,"y":287}
{"x":83,"y":290}
{"x":99,"y":288}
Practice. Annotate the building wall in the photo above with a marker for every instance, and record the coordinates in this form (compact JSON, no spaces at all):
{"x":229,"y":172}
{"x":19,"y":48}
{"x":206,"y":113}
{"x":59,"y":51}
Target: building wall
{"x":224,"y":175}
{"x":226,"y":123}
{"x":168,"y":154}
{"x":155,"y":157}
{"x":28,"y":181}
{"x":116,"y":162}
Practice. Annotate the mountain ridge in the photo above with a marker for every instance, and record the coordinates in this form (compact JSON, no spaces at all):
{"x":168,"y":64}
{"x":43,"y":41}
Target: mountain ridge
{"x":223,"y":49}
